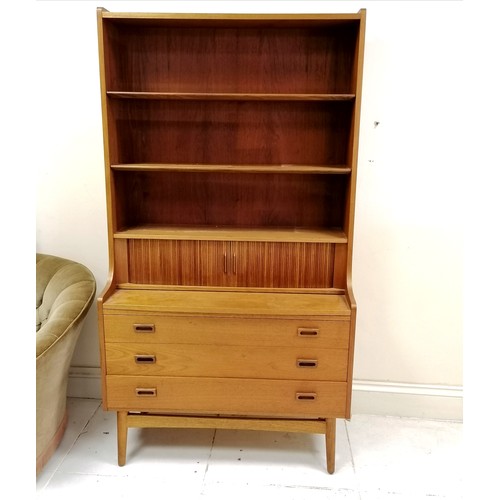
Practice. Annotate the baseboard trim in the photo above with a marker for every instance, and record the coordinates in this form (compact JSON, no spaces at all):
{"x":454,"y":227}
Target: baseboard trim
{"x":368,"y":397}
{"x":84,"y":382}
{"x":431,"y":401}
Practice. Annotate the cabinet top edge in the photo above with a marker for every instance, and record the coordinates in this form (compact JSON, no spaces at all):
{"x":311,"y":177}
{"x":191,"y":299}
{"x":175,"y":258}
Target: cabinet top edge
{"x":238,"y":18}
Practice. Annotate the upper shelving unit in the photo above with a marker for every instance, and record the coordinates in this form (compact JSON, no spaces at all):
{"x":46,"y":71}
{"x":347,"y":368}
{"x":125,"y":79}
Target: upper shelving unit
{"x":231,"y":58}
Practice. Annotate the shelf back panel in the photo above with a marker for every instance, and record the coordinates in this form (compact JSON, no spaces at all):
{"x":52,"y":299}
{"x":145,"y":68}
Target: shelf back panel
{"x":230,"y":132}
{"x":228,"y":199}
{"x":165,"y":58}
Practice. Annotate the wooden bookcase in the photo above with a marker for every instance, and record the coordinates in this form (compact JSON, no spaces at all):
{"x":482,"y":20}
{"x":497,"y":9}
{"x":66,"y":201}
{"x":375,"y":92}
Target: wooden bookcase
{"x":230,"y":152}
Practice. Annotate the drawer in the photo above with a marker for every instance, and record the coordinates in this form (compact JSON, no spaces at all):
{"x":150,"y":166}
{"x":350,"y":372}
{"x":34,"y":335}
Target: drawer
{"x":226,"y":396}
{"x":226,"y":330}
{"x":189,"y":360}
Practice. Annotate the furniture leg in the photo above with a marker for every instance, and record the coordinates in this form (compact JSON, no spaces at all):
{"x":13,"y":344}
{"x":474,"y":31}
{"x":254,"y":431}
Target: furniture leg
{"x":122,"y":430}
{"x":330,"y":444}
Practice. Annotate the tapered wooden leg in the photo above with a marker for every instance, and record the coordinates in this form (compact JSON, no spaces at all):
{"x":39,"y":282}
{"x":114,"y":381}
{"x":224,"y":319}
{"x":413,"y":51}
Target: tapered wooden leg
{"x":330,"y":444}
{"x":122,"y":430}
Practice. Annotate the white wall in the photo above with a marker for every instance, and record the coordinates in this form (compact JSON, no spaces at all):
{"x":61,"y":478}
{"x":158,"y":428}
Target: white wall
{"x":407,"y":270}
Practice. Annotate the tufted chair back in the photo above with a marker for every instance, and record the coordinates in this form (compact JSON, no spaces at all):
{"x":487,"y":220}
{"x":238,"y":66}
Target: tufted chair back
{"x":64,"y":293}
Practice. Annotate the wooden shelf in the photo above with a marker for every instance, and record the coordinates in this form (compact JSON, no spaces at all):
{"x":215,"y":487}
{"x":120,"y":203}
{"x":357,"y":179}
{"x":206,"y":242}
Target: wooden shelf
{"x":229,"y":96}
{"x":298,"y":235}
{"x":271,"y":169}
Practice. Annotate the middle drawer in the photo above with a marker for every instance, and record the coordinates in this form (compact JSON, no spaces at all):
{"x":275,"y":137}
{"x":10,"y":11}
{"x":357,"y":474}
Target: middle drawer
{"x":226,"y":361}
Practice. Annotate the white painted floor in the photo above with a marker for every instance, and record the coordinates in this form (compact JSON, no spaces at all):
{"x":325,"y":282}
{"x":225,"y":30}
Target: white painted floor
{"x":377,"y":458}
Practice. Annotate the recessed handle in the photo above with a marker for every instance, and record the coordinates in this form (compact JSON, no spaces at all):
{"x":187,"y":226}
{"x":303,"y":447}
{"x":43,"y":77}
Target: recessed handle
{"x":147,"y":392}
{"x":144,"y":327}
{"x":307,"y":363}
{"x":145,"y":359}
{"x":305,"y":396}
{"x":308,"y":332}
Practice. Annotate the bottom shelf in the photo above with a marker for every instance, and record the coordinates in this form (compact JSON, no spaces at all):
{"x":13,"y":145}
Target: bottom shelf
{"x":227,"y":233}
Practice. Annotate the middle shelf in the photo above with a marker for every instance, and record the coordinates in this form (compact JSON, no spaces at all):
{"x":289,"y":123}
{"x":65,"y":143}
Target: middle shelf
{"x":261,"y":169}
{"x":229,"y":96}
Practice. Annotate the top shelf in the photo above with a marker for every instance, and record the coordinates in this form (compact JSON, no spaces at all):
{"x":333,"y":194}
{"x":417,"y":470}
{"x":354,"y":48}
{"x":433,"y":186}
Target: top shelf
{"x":229,"y":96}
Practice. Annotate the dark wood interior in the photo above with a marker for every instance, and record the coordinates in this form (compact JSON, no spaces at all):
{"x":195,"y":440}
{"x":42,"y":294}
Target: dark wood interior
{"x":231,"y":132}
{"x":229,"y":199}
{"x":145,"y":56}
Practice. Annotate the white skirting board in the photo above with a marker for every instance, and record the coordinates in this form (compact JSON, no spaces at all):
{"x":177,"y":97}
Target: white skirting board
{"x":368,"y":397}
{"x":442,"y":402}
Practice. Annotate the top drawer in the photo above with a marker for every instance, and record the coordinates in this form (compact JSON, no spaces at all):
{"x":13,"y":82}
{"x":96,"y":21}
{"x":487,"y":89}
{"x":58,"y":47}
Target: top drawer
{"x":226,"y":331}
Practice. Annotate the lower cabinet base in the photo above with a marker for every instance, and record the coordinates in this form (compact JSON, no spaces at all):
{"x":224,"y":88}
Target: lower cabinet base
{"x":147,"y":420}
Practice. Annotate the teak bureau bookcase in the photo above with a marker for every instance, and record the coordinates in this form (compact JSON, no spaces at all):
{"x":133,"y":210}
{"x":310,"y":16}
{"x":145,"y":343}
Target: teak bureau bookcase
{"x":230,"y":147}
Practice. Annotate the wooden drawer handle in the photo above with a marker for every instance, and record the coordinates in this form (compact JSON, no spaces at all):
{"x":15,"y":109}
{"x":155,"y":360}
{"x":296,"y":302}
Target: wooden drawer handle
{"x":145,"y":392}
{"x":308,"y":332}
{"x":305,"y":396}
{"x":145,"y":359}
{"x":144,"y":328}
{"x":307,"y":363}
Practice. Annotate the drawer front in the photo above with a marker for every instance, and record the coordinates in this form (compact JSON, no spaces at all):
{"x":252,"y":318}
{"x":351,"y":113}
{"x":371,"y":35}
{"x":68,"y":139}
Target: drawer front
{"x":227,"y":396}
{"x":226,"y":331}
{"x":226,"y":361}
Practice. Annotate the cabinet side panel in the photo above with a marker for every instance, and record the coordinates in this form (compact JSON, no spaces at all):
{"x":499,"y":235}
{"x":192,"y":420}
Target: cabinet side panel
{"x":340,"y":266}
{"x":121,"y":261}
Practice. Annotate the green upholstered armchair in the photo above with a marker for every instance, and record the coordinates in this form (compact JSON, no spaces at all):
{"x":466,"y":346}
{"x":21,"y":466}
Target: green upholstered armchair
{"x":64,"y":293}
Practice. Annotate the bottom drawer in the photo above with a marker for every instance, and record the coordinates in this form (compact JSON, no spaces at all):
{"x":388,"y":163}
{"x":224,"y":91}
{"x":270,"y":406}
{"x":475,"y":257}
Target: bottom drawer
{"x":224,"y":395}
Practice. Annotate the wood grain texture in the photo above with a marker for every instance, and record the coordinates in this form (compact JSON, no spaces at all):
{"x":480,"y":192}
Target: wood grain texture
{"x":251,"y":132}
{"x":241,"y":304}
{"x":206,"y":360}
{"x":230,"y":233}
{"x":227,"y":395}
{"x":240,"y":264}
{"x":219,"y":199}
{"x":316,"y":426}
{"x":207,"y":59}
{"x":227,"y":331}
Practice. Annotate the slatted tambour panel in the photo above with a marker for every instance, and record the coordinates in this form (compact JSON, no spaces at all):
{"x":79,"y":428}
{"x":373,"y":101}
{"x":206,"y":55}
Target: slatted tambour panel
{"x":146,"y":56}
{"x":283,"y":265}
{"x":242,"y":264}
{"x":214,"y":263}
{"x":163,"y":262}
